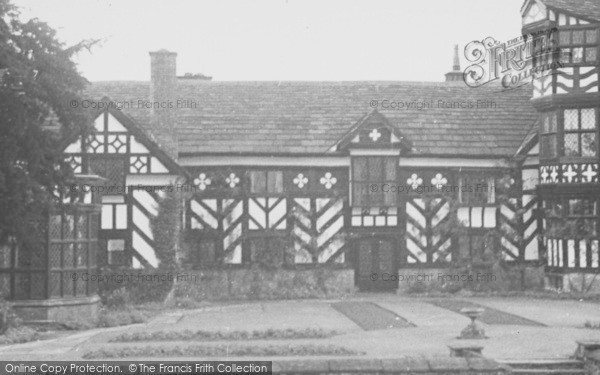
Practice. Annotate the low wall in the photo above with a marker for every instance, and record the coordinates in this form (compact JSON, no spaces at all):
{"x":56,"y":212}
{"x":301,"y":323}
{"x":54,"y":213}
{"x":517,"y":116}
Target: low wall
{"x":241,"y":283}
{"x":462,"y":366}
{"x":581,"y":283}
{"x":482,"y":279}
{"x":320,"y":282}
{"x":59,"y":310}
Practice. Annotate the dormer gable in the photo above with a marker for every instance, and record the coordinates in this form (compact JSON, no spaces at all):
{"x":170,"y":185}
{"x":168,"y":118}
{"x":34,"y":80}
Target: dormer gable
{"x":374,"y":131}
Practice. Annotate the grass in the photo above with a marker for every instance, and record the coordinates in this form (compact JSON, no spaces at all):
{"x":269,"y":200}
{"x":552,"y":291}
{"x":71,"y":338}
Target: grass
{"x":189,"y":335}
{"x":592,"y":325}
{"x":19,"y":335}
{"x":110,"y":317}
{"x":221,"y":351}
{"x":530,"y":294}
{"x":489,"y":316}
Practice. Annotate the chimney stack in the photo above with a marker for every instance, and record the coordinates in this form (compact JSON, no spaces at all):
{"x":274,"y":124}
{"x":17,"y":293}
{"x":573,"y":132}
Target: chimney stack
{"x":455,"y":75}
{"x":163,"y":88}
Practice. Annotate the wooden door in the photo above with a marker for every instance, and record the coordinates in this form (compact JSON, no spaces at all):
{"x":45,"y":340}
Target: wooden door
{"x":376,"y":268}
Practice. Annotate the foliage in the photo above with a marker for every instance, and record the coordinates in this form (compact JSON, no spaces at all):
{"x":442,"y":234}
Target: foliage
{"x":485,"y":260}
{"x":38,"y":81}
{"x":8,"y":318}
{"x":167,"y":228}
{"x":189,"y":335}
{"x":118,"y":298}
{"x":265,"y":284}
{"x":121,"y":317}
{"x":592,"y":325}
{"x":222,"y":351}
{"x":124,"y":287}
{"x":19,"y":335}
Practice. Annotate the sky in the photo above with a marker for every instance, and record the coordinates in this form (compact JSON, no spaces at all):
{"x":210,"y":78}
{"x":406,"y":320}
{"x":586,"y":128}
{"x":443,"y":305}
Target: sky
{"x":277,"y":40}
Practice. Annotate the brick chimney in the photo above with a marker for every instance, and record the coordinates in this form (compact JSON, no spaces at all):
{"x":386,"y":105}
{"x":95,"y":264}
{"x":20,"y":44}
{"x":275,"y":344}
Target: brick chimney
{"x":163,"y":89}
{"x":456,"y":74}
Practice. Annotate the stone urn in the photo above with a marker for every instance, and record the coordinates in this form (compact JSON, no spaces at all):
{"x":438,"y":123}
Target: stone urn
{"x":472,"y":331}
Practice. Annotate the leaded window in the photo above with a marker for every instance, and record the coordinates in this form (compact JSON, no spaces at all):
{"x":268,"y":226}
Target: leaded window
{"x":578,"y":46}
{"x":476,"y":189}
{"x":373,"y":181}
{"x":580,"y":132}
{"x":548,"y":135}
{"x":571,"y":218}
{"x":266,"y":182}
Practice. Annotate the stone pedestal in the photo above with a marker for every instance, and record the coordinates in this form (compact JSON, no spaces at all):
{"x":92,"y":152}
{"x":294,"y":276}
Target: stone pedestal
{"x":472,"y":331}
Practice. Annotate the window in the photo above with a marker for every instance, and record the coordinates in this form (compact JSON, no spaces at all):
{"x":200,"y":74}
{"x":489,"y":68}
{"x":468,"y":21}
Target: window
{"x":269,"y":182}
{"x":578,"y":46}
{"x":476,"y":189}
{"x":580,"y":132}
{"x":544,"y":48}
{"x":116,"y":251}
{"x":477,"y":217}
{"x":378,"y":171}
{"x":548,"y":136}
{"x":114,"y":212}
{"x":571,"y":218}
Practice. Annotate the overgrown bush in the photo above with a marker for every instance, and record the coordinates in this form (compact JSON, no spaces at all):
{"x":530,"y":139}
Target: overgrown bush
{"x":121,"y":317}
{"x":8,"y":318}
{"x":117,"y":298}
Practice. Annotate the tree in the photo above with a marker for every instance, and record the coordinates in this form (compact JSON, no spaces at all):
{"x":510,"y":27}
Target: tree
{"x":38,"y":83}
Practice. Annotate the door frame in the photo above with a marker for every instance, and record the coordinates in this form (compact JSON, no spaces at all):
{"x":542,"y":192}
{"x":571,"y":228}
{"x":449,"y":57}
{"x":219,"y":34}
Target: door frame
{"x":376,"y":285}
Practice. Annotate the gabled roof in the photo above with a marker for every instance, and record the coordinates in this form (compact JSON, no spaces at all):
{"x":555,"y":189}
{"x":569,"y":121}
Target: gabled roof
{"x":587,"y":9}
{"x":374,"y":120}
{"x":311,"y":117}
{"x":143,"y":136}
{"x":530,"y":140}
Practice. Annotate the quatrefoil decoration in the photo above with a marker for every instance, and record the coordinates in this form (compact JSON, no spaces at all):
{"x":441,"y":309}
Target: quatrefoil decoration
{"x":438,"y":181}
{"x":328,"y":180}
{"x":300,"y":180}
{"x":232,"y":180}
{"x":414,"y":181}
{"x":374,"y":135}
{"x":202,"y":181}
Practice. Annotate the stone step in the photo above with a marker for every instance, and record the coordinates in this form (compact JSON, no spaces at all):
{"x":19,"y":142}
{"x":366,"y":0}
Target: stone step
{"x":546,"y":367}
{"x":549,"y":372}
{"x":544,"y":363}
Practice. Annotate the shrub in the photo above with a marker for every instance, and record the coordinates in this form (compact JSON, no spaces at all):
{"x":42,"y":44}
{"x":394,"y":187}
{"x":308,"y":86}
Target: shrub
{"x":18,"y":335}
{"x":8,"y":318}
{"x":121,"y":317}
{"x":117,"y":298}
{"x":416,"y":288}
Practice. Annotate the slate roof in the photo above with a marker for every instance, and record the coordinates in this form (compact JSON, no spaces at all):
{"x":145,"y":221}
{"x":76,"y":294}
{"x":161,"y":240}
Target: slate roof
{"x":310,"y":117}
{"x":584,"y":8}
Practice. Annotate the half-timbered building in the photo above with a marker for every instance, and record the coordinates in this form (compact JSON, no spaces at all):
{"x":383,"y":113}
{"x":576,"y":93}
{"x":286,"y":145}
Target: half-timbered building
{"x":335,"y":173}
{"x":564,"y":147}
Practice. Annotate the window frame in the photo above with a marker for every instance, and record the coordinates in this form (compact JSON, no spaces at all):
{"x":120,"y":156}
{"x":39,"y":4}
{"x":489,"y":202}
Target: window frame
{"x":547,"y":133}
{"x":566,"y":49}
{"x":580,"y":132}
{"x":361,"y":193}
{"x":490,"y":181}
{"x":557,"y":213}
{"x":266,"y":174}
